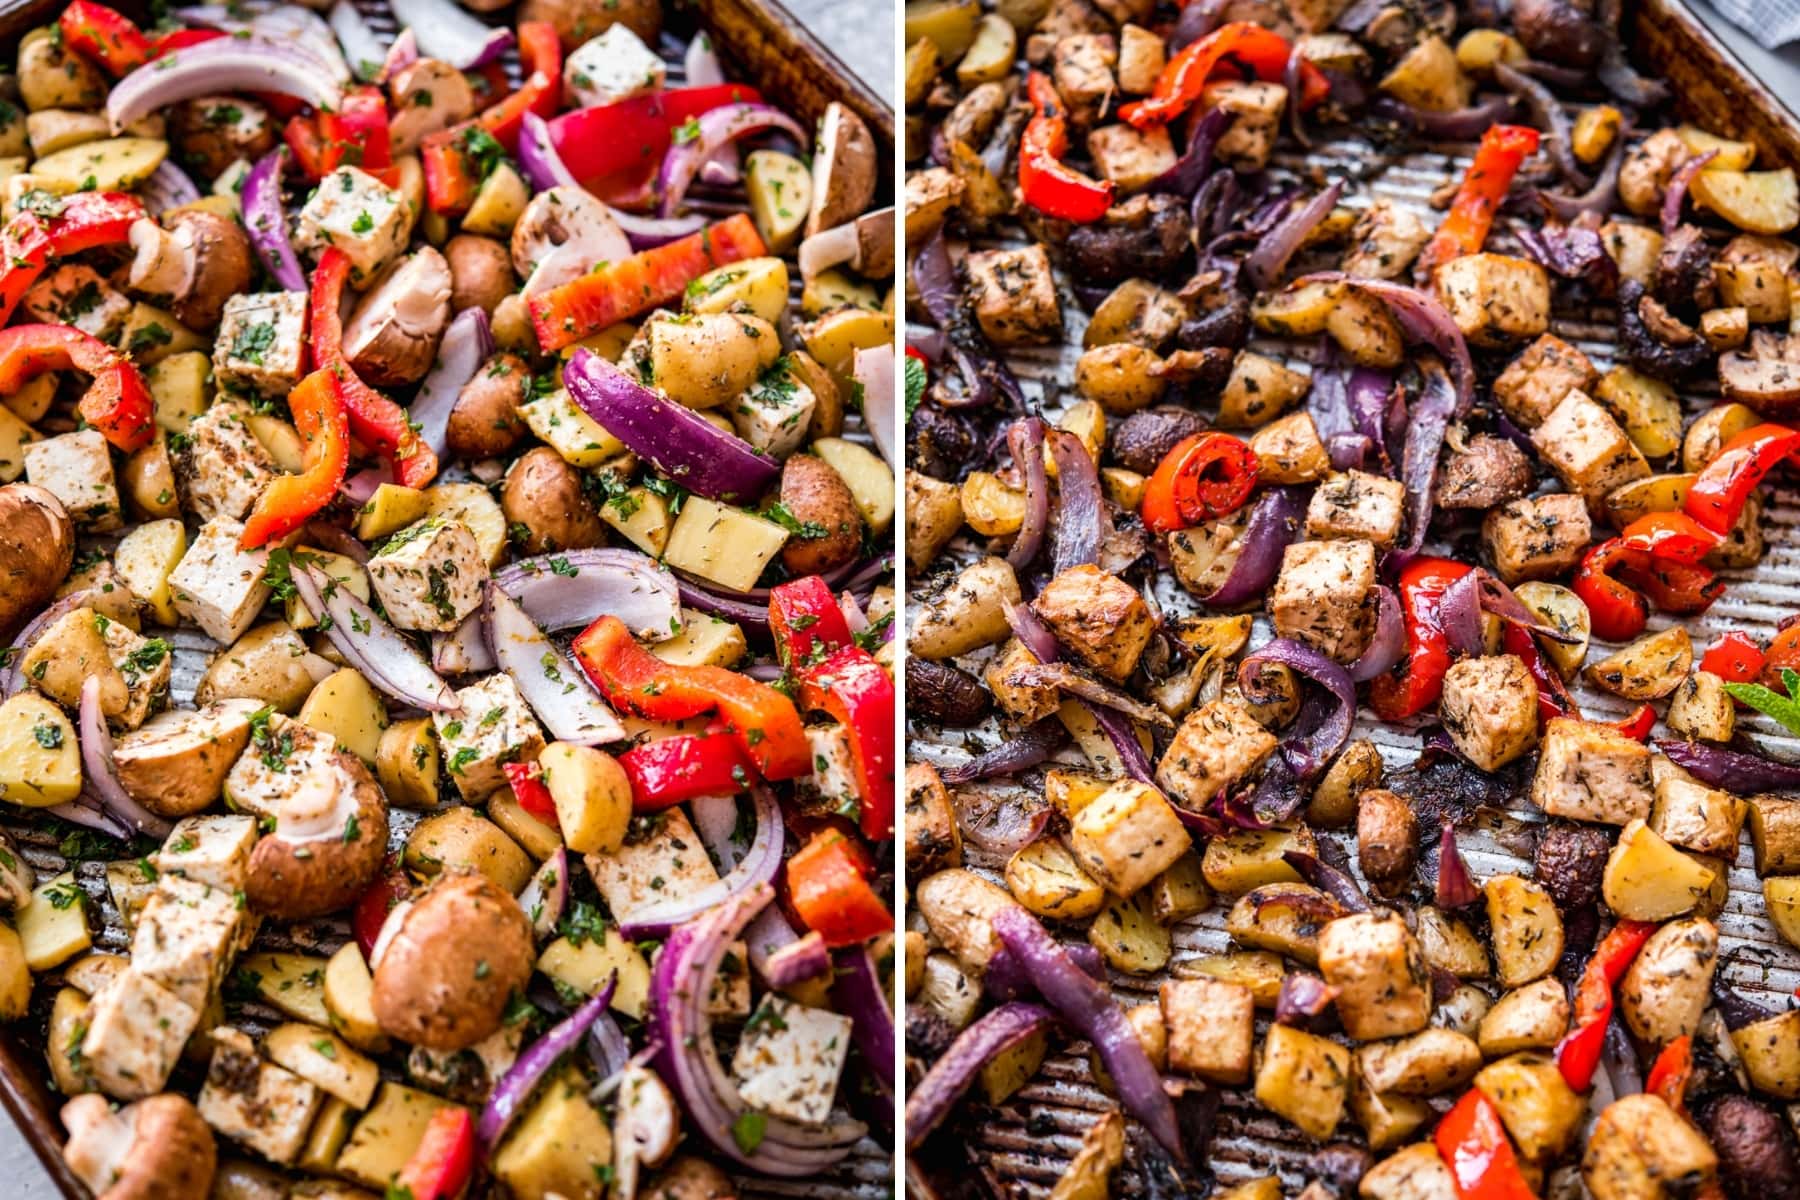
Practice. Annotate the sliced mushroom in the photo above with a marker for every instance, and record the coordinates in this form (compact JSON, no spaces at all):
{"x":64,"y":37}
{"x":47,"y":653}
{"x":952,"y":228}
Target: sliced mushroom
{"x":646,"y":1126}
{"x":566,"y":216}
{"x":392,"y":337}
{"x":194,"y":265}
{"x":212,"y":132}
{"x":844,"y":170}
{"x":157,"y":1147}
{"x":429,"y":95}
{"x":1771,"y":386}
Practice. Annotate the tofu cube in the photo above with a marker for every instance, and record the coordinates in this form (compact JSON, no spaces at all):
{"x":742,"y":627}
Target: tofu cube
{"x":430,"y":575}
{"x":1539,"y":537}
{"x":136,"y":1029}
{"x":257,"y":1104}
{"x":213,"y":850}
{"x":263,"y":777}
{"x":1304,"y":1078}
{"x":224,"y":467}
{"x":1288,"y":450}
{"x":1255,"y":110}
{"x":1489,"y":709}
{"x":1014,"y":296}
{"x":1082,"y":69}
{"x":1218,"y":744}
{"x":789,"y":1059}
{"x":1589,"y":772}
{"x":1211,"y":1028}
{"x":219,"y":587}
{"x":1586,"y":448}
{"x":1142,"y":54}
{"x":1533,"y":384}
{"x":75,"y":295}
{"x":774,"y":413}
{"x":1101,"y":619}
{"x":1379,"y":969}
{"x":77,"y":469}
{"x":144,"y":664}
{"x":1321,"y":596}
{"x":260,"y":349}
{"x":1127,"y":836}
{"x":494,"y":727}
{"x":832,"y":784}
{"x":661,"y":861}
{"x":1355,"y":504}
{"x":185,"y":937}
{"x":1384,"y":242}
{"x":1495,"y":299}
{"x":359,"y":215}
{"x":1689,"y":814}
{"x":1129,"y":158}
{"x":612,"y":67}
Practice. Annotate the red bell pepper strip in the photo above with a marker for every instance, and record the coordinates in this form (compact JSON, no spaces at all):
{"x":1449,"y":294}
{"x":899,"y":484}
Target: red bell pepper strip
{"x":630,"y":138}
{"x":764,"y":722}
{"x":1472,"y":1141}
{"x":527,"y":783}
{"x":1503,"y":148}
{"x":1553,"y":696}
{"x":622,"y":290}
{"x":675,"y":769}
{"x":377,"y":421}
{"x":1421,"y":679}
{"x":828,"y":888}
{"x":1658,"y":554}
{"x":1670,"y":1074}
{"x":1637,"y":726}
{"x":806,"y":621}
{"x":858,"y":691}
{"x":289,"y":501}
{"x":1718,"y":496}
{"x":1205,"y":476}
{"x":104,"y":35}
{"x":81,"y":222}
{"x":1617,"y":612}
{"x":540,"y":51}
{"x":452,"y":175}
{"x":1578,"y":1054}
{"x":440,"y":1167}
{"x":355,"y":134}
{"x":1045,"y":181}
{"x":180,"y":39}
{"x":1241,"y":44}
{"x":1735,"y":658}
{"x":117,"y":403}
{"x":377,"y":901}
{"x":301,"y":134}
{"x":1672,"y":536}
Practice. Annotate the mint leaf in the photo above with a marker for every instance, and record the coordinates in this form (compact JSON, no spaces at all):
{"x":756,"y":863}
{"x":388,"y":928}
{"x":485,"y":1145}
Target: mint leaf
{"x":747,"y":1131}
{"x":1771,"y":703}
{"x":915,"y":384}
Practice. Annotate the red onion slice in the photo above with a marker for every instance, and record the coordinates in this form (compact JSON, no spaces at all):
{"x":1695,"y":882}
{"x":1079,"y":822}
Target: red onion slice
{"x":464,"y":650}
{"x":1064,"y":678}
{"x":577,"y":587}
{"x":1273,"y":252}
{"x":228,"y":64}
{"x":1423,"y":318}
{"x":1455,"y":886}
{"x":1273,"y":524}
{"x":1320,"y":730}
{"x":950,"y":1076}
{"x":1303,"y":999}
{"x":1736,"y":771}
{"x":1387,"y":644}
{"x":555,"y":688}
{"x":717,"y":127}
{"x":1429,"y":421}
{"x":543,"y":166}
{"x":1034,"y":745}
{"x":90,"y":816}
{"x":1457,"y":125}
{"x":382,"y":653}
{"x":287,"y":24}
{"x":363,"y":50}
{"x":101,"y":781}
{"x":403,"y":53}
{"x":1026,"y":440}
{"x":1678,"y":189}
{"x":758,"y":867}
{"x":703,"y":69}
{"x":168,"y":187}
{"x":779,"y":956}
{"x":266,"y":221}
{"x":521,"y":1080}
{"x":12,"y":678}
{"x":1459,"y":612}
{"x":750,"y":616}
{"x":997,"y":823}
{"x":1081,"y":524}
{"x":856,"y":991}
{"x":445,"y":31}
{"x":466,"y":344}
{"x":1328,"y":879}
{"x":546,"y":898}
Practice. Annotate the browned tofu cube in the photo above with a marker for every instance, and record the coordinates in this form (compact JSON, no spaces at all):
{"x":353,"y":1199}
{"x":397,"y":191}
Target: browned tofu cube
{"x":1384,"y":986}
{"x":1099,"y":617}
{"x":1495,"y":299}
{"x":1689,"y":814}
{"x":1591,"y":772}
{"x":1384,"y":242}
{"x":1775,"y":834}
{"x":1129,"y":158}
{"x":1304,"y":1078}
{"x":1414,"y":1173}
{"x":1489,"y":709}
{"x":1255,"y":110}
{"x":1141,"y":57}
{"x":1355,"y":504}
{"x":1321,"y":596}
{"x":1586,"y":448}
{"x":1082,"y":68}
{"x":1212,"y":1028}
{"x":1127,"y":836}
{"x":1537,"y":538}
{"x":1218,"y":744}
{"x":1535,"y":382}
{"x":1289,"y":451}
{"x":1014,"y":296}
{"x":1065,"y":17}
{"x":1315,"y":16}
{"x":1422,"y":1064}
{"x":933,"y":839}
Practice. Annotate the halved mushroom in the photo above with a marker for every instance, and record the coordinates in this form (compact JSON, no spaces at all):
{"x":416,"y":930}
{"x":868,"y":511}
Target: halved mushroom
{"x":392,"y":337}
{"x":448,"y":960}
{"x":844,"y":170}
{"x":1767,"y":378}
{"x":176,"y":764}
{"x":331,"y":830}
{"x":690,"y":1178}
{"x":645,"y":1127}
{"x":429,"y":95}
{"x":565,"y":217}
{"x":866,"y":245}
{"x":156,"y":1149}
{"x":194,"y":265}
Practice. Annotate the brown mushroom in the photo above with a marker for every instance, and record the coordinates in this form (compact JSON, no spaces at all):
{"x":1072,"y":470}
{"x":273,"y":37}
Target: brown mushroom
{"x":481,"y":273}
{"x":327,"y":845}
{"x":1387,"y":840}
{"x":543,"y":496}
{"x":577,"y":21}
{"x":563,"y":216}
{"x":844,"y":170}
{"x":485,"y":421}
{"x":37,"y":550}
{"x":448,"y":960}
{"x":212,"y":132}
{"x":392,"y":337}
{"x":817,"y":495}
{"x":157,"y":1149}
{"x":429,"y":95}
{"x":195,"y":264}
{"x":689,"y":1178}
{"x":1767,"y":378}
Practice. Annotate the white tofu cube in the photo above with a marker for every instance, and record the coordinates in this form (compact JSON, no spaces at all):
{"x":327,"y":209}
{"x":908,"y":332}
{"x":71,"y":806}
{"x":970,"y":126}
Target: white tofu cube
{"x":213,"y":850}
{"x":494,"y":727}
{"x":145,"y":665}
{"x":135,"y":1031}
{"x":185,"y":936}
{"x":261,"y":346}
{"x":1321,"y":596}
{"x":255,"y":1103}
{"x":358,"y":214}
{"x":773,"y":414}
{"x":832,"y":784}
{"x":430,"y":575}
{"x":1490,"y":709}
{"x":1493,"y":298}
{"x":77,"y":469}
{"x":219,"y":587}
{"x":789,"y":1060}
{"x":612,"y":67}
{"x":662,"y":859}
{"x":223,"y":468}
{"x":75,"y":295}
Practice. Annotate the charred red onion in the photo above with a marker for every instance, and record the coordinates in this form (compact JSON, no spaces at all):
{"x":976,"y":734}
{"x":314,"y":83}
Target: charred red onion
{"x":1270,"y":258}
{"x":1028,"y":748}
{"x":1026,"y":439}
{"x":951,"y":1075}
{"x":1677,"y":190}
{"x":522,"y":1078}
{"x":1456,"y":888}
{"x":998,"y":823}
{"x":1273,"y":524}
{"x":1734,"y":770}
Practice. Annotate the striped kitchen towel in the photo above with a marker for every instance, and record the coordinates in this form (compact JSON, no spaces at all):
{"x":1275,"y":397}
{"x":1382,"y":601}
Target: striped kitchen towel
{"x":1771,"y":22}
